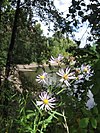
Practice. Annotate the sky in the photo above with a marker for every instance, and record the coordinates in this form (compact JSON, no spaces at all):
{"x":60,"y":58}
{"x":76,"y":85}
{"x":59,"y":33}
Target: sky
{"x":62,"y":6}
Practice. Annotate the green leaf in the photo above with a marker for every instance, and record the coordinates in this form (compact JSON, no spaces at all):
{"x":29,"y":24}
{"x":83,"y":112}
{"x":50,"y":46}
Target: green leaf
{"x":30,"y":115}
{"x":95,"y":111}
{"x":91,"y":131}
{"x":37,"y":108}
{"x":83,"y":131}
{"x":46,"y":122}
{"x":73,"y":130}
{"x":57,"y":113}
{"x":94,"y":123}
{"x":84,"y":122}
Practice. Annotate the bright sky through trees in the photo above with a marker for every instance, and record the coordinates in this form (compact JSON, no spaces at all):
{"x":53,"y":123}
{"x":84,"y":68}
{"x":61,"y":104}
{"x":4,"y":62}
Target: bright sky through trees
{"x":81,"y":34}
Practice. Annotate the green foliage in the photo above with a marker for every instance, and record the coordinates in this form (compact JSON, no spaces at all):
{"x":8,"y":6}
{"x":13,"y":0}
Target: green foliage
{"x":30,"y":44}
{"x":86,"y":12}
{"x":96,"y":80}
{"x":94,"y":123}
{"x":60,"y":44}
{"x":84,"y":122}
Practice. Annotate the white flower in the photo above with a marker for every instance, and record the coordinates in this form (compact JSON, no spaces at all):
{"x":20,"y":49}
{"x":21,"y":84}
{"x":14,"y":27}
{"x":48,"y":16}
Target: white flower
{"x":56,"y":60}
{"x":42,"y":78}
{"x":47,"y":102}
{"x":86,"y":69}
{"x":66,"y":76}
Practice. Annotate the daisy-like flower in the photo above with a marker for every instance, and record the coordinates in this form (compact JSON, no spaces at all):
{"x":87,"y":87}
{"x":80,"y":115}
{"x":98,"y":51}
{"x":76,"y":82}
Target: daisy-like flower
{"x":46,"y":102}
{"x":86,"y":69}
{"x":42,"y":78}
{"x":66,"y":76}
{"x":56,"y":60}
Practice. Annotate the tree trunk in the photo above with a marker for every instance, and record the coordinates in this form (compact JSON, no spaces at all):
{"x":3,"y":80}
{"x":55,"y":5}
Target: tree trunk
{"x":9,"y":61}
{"x":12,"y":42}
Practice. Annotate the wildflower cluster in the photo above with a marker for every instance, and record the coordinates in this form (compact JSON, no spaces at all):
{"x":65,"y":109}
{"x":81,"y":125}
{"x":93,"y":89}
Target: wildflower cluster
{"x":68,"y":75}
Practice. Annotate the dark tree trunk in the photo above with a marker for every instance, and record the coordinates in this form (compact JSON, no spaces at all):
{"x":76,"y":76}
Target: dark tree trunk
{"x":12,"y":42}
{"x":9,"y":61}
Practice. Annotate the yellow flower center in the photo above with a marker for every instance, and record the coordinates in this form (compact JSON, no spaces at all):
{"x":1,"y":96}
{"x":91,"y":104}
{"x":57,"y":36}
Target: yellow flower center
{"x":85,"y":69}
{"x":42,"y":77}
{"x":65,"y":76}
{"x":45,"y":101}
{"x":77,"y":77}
